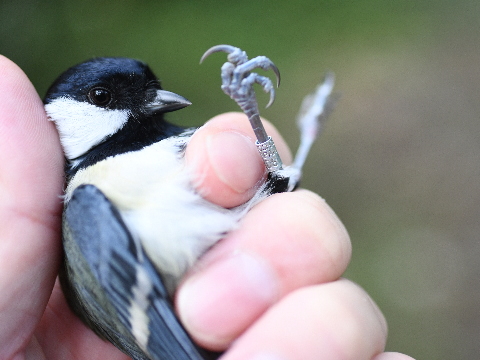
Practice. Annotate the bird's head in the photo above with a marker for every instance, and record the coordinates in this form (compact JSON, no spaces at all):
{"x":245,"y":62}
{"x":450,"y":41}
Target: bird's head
{"x":95,"y":100}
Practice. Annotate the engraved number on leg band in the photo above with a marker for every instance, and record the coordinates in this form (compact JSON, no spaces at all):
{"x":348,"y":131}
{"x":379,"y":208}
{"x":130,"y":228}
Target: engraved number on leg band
{"x":270,"y":155}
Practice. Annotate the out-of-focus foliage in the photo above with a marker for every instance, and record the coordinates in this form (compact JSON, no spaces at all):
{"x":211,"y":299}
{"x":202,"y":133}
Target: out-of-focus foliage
{"x":399,"y":158}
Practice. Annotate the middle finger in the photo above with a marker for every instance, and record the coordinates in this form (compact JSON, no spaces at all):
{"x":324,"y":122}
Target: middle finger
{"x":288,"y":241}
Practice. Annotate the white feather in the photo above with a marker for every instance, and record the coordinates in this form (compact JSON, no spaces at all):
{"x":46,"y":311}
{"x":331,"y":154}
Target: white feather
{"x":82,"y":125}
{"x":139,"y":306}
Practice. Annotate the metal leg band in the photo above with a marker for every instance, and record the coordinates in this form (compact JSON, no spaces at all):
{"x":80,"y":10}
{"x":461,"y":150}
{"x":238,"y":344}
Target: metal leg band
{"x":270,"y":155}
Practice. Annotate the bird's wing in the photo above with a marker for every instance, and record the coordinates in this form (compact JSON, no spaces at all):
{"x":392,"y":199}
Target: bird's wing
{"x":133,"y":310}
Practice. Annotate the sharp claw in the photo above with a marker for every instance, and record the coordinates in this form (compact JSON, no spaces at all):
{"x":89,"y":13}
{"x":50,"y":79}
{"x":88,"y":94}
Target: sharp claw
{"x":218,"y":48}
{"x":272,"y":97}
{"x":277,"y":74}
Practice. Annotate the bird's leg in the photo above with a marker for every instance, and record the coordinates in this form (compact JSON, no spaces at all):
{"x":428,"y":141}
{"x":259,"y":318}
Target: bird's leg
{"x":237,"y":82}
{"x":313,"y":113}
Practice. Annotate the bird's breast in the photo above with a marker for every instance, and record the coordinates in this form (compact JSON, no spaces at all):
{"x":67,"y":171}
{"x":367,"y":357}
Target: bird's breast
{"x":153,"y":191}
{"x":132,"y":178}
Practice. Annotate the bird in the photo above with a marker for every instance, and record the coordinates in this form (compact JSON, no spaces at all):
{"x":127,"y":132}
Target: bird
{"x":133,"y":223}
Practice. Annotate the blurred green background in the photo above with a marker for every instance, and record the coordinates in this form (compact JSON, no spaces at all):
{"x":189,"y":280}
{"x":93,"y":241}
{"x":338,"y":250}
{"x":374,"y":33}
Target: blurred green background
{"x":399,"y":157}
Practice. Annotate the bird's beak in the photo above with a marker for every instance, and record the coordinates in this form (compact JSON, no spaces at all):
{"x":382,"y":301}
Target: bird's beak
{"x":167,"y":101}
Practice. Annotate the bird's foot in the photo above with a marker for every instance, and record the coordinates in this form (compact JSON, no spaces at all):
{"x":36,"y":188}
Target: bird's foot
{"x":237,"y":78}
{"x":237,"y":82}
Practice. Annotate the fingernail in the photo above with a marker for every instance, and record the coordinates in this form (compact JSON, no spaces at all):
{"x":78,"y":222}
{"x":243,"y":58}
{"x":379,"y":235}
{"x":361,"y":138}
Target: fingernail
{"x":222,"y":300}
{"x":235,"y":160}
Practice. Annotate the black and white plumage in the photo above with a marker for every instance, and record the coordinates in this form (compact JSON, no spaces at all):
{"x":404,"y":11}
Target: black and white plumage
{"x":133,"y":222}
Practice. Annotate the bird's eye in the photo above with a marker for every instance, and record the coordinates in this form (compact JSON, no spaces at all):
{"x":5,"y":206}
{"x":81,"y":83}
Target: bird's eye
{"x":100,"y":96}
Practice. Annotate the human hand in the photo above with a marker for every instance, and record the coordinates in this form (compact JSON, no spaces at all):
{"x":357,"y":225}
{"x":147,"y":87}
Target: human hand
{"x":271,"y":290}
{"x":286,"y":295}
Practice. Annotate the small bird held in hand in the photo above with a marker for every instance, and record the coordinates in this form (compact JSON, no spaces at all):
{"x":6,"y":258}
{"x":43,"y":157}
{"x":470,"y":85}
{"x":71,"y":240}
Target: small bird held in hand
{"x":133,"y":222}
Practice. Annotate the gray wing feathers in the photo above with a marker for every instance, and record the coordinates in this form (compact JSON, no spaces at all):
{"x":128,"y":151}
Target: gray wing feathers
{"x":100,"y":250}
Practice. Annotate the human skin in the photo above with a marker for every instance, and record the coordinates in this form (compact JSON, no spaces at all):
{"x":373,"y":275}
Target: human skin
{"x":280,"y":269}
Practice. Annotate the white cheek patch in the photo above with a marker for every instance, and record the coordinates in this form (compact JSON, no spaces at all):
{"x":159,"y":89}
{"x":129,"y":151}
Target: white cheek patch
{"x":82,"y":125}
